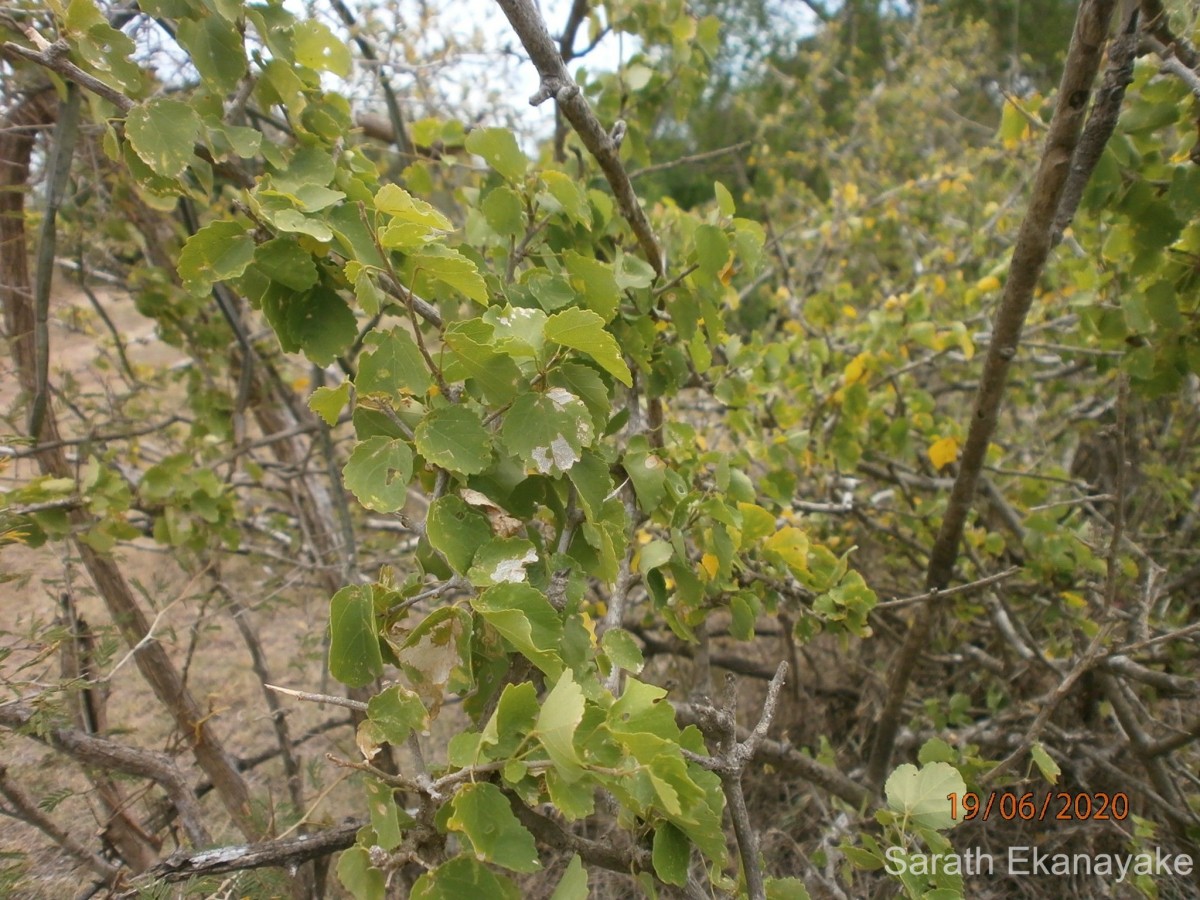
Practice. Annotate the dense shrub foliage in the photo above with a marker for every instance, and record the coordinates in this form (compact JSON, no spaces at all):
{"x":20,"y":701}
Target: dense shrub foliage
{"x":735,"y":492}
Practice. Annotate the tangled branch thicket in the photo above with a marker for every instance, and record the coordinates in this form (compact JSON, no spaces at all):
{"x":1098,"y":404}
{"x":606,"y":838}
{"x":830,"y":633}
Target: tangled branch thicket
{"x":787,"y":467}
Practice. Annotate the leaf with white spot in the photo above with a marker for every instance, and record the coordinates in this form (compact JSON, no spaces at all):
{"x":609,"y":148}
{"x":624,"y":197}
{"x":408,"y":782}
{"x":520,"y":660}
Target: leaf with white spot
{"x":502,"y":561}
{"x":548,"y":431}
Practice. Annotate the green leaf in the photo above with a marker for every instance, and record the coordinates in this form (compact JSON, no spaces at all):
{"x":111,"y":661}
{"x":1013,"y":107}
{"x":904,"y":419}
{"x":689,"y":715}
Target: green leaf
{"x":243,"y":141}
{"x":360,"y":878}
{"x":654,"y":554}
{"x":385,"y":814}
{"x":633,"y":272}
{"x":622,"y":649}
{"x":593,"y":483}
{"x":1045,"y":763}
{"x":724,"y":199}
{"x":788,"y":889}
{"x":515,"y":716}
{"x":354,"y":655}
{"x":712,"y":249}
{"x":456,"y":531}
{"x":353,"y":235}
{"x":319,"y":48}
{"x":322,"y":324}
{"x":504,"y":211}
{"x":637,"y":76}
{"x":548,"y":431}
{"x":525,"y":617}
{"x":452,"y":268}
{"x":378,"y":473}
{"x":560,"y":715}
{"x":583,"y":330}
{"x":163,"y":133}
{"x":370,"y":298}
{"x":286,"y":262}
{"x":672,"y":854}
{"x":328,"y":402}
{"x":573,"y":800}
{"x":400,"y":204}
{"x":394,"y":367}
{"x":494,"y":373}
{"x":295,"y":222}
{"x":936,"y":750}
{"x":483,"y":814}
{"x":216,"y":50}
{"x":648,"y":473}
{"x":640,"y":709}
{"x":597,"y":283}
{"x":217,"y":252}
{"x":923,"y":796}
{"x":398,"y":712}
{"x":455,"y":439}
{"x":567,"y":194}
{"x":463,"y":877}
{"x":574,"y":883}
{"x":499,"y":150}
{"x":552,"y":292}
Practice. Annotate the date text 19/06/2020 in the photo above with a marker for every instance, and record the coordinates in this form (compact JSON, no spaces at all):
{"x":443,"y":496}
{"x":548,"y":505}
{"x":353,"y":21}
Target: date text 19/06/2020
{"x":1030,"y":861}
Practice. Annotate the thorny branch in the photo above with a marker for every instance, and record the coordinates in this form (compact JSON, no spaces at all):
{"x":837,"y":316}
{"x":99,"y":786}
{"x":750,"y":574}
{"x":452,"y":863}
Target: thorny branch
{"x":1034,"y":242}
{"x":730,"y":762}
{"x":557,"y":82}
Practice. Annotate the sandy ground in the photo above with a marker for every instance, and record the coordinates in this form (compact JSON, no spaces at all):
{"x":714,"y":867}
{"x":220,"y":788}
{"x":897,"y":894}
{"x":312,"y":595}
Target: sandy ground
{"x":290,"y":619}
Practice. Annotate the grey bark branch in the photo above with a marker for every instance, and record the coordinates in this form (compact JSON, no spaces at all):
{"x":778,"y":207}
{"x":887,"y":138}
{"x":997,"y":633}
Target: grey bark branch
{"x":110,"y":755}
{"x":54,"y":58}
{"x":1157,"y":23}
{"x":1034,"y":242}
{"x":284,"y":852}
{"x":556,"y":82}
{"x":1102,"y":121}
{"x":62,"y":151}
{"x":25,"y":809}
{"x":730,"y":763}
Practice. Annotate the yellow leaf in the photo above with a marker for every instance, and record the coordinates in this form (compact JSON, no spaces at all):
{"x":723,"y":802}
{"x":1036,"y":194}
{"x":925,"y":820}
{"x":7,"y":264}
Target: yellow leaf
{"x":301,"y":383}
{"x":988,"y":283}
{"x":792,"y":545}
{"x":849,"y":312}
{"x":943,"y":451}
{"x":850,"y":192}
{"x":856,"y":370}
{"x":710,"y":564}
{"x":589,"y":626}
{"x":1074,"y":600}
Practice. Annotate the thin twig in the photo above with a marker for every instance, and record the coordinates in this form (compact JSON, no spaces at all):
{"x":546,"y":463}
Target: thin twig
{"x":331,"y":699}
{"x":689,"y":160}
{"x":950,"y":592}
